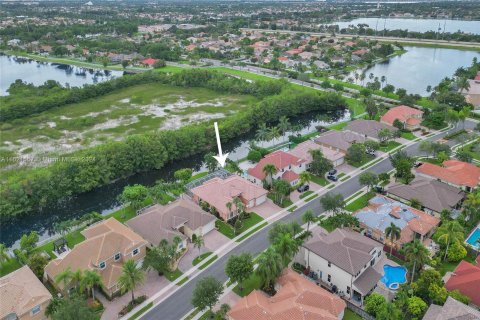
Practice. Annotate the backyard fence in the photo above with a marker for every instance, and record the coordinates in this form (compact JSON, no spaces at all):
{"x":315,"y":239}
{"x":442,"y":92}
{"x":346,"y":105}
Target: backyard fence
{"x":395,"y":253}
{"x":356,"y":309}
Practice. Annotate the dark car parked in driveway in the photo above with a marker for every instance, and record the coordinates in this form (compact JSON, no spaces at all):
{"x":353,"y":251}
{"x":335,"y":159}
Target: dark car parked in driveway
{"x":332,"y":178}
{"x":303,"y":188}
{"x":332,"y":172}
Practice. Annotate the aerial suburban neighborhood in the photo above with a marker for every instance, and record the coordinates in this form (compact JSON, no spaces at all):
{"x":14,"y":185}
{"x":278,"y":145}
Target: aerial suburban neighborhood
{"x":240,"y":160}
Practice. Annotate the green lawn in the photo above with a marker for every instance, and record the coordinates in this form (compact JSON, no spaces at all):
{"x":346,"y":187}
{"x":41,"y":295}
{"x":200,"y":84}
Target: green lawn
{"x":446,"y":266}
{"x":243,"y":74}
{"x":389,"y":146}
{"x":350,"y":315}
{"x":356,"y":107}
{"x":208,"y":262}
{"x":173,"y":275}
{"x":200,"y":258}
{"x":9,"y":266}
{"x":72,"y":238}
{"x":137,"y":314}
{"x":227,"y":230}
{"x":306,"y":193}
{"x":197,"y":176}
{"x":311,"y":198}
{"x":319,"y":180}
{"x":326,"y":225}
{"x":360,"y":202}
{"x":285,"y":203}
{"x":364,"y":161}
{"x":338,"y":126}
{"x":252,"y":283}
{"x":408,"y":135}
{"x":474,"y":149}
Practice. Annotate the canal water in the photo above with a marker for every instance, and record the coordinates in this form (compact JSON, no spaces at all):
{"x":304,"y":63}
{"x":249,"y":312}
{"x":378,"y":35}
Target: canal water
{"x":416,"y":25}
{"x":419,"y":67}
{"x":36,"y":72}
{"x":105,"y":199}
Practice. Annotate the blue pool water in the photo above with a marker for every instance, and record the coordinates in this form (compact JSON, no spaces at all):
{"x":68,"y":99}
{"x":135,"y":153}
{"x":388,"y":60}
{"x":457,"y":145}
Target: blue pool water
{"x":393,"y":275}
{"x":472,"y":240}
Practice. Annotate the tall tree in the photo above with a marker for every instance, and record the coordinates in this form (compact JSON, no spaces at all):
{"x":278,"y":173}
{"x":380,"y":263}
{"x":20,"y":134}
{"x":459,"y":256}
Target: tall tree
{"x":269,"y":266}
{"x":392,"y":232}
{"x":368,"y":179}
{"x":198,"y":242}
{"x":4,"y":256}
{"x":287,"y":247}
{"x":283,"y":125}
{"x":65,"y":277}
{"x":239,"y":268}
{"x":130,"y":278}
{"x":448,"y":232}
{"x":332,"y":202}
{"x":305,"y":177}
{"x":90,"y":280}
{"x":206,"y":293}
{"x":269,"y":170}
{"x":308,"y":217}
{"x":416,"y":254}
{"x":319,"y":165}
{"x":262,"y":132}
{"x":73,"y":308}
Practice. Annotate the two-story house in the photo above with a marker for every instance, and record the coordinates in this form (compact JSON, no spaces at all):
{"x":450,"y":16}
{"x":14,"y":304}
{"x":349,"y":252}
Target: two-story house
{"x":288,"y":167}
{"x":23,"y":296}
{"x":462,"y":175}
{"x":107,"y":245}
{"x":343,"y":261}
{"x":408,"y":116}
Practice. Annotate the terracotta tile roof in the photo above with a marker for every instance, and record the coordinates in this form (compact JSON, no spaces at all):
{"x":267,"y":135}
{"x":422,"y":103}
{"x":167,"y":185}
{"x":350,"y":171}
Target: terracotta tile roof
{"x":297,"y":299}
{"x":302,"y":151}
{"x":20,"y":291}
{"x":149,"y":61}
{"x":218,"y":192}
{"x":453,"y":171}
{"x":280,"y":159}
{"x":103,"y":241}
{"x":466,"y":279}
{"x":289,"y":176}
{"x":402,"y":113}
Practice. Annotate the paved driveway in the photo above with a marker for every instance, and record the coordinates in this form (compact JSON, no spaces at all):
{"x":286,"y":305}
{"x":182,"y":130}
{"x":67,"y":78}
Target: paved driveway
{"x":295,"y":195}
{"x":266,"y":209}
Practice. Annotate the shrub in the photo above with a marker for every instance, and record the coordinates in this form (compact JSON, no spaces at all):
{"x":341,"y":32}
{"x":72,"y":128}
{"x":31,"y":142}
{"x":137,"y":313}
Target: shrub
{"x":456,"y":252}
{"x":254,"y":156}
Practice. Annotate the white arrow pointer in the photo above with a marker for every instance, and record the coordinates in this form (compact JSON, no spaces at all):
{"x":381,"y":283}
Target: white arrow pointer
{"x":221,"y":158}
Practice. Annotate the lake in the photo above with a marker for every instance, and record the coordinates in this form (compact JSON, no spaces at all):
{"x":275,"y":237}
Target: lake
{"x":105,"y":199}
{"x":416,"y":25}
{"x":36,"y":72}
{"x":420,"y":67}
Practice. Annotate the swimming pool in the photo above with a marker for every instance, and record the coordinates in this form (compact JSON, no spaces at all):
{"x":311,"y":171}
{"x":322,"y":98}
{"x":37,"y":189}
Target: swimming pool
{"x":474,"y":236}
{"x":393,"y":277}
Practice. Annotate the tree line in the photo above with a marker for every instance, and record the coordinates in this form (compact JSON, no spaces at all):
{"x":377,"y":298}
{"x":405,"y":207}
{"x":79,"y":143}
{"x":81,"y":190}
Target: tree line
{"x":26,"y":190}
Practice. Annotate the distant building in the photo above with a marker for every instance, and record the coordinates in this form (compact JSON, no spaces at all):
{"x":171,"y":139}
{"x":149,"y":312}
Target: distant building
{"x":339,"y":140}
{"x":466,"y":279}
{"x":368,"y":128}
{"x":472,"y":95}
{"x":302,"y":151}
{"x":457,"y":173}
{"x":296,"y":298}
{"x":23,"y":296}
{"x":410,"y":117}
{"x":451,"y":310}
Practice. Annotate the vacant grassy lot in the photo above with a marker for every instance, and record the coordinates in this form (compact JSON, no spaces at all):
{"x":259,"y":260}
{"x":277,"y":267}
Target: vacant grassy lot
{"x":132,"y":110}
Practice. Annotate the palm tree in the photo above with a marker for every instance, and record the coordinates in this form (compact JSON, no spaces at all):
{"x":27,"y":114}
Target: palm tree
{"x":287,"y":247}
{"x":393,"y":233}
{"x":262,"y":132}
{"x":283,"y":125}
{"x":65,"y":277}
{"x":463,"y":84}
{"x":415,"y":203}
{"x":229,"y":207}
{"x":198,"y":243}
{"x":305,"y":177}
{"x":415,"y":251}
{"x":308,"y":217}
{"x":90,"y":280}
{"x":130,"y":278}
{"x":274,"y":133}
{"x":269,"y":170}
{"x":269,"y":266}
{"x":4,"y":256}
{"x":448,"y":232}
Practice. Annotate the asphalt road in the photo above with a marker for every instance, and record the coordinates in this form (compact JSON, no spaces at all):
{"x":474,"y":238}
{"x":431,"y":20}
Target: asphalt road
{"x":178,"y":304}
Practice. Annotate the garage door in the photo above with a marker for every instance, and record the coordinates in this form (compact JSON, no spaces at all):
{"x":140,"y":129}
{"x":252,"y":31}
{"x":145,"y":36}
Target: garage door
{"x":208,"y":227}
{"x":261,"y":200}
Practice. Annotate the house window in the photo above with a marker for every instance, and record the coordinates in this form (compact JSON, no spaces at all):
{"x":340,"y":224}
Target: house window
{"x":135,"y":252}
{"x":348,"y":290}
{"x":117,"y":257}
{"x":102,"y":265}
{"x":329,"y":264}
{"x":36,"y":310}
{"x":329,"y":278}
{"x":379,"y":253}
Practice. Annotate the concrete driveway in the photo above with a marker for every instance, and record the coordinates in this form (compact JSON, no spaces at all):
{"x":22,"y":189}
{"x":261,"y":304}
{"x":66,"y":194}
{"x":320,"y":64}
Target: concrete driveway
{"x":266,"y":209}
{"x":295,"y":195}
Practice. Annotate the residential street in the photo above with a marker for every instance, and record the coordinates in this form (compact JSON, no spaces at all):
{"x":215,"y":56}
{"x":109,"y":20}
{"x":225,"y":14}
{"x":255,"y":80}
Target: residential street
{"x":177,"y":305}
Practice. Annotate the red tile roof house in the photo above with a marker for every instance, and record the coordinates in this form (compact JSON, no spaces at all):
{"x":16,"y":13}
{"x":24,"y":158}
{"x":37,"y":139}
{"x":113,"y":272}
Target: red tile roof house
{"x":296,"y":299}
{"x":190,"y":47}
{"x":410,"y":117}
{"x":149,"y":62}
{"x":288,"y":168}
{"x":302,"y":151}
{"x":217,"y":193}
{"x":466,"y":279}
{"x":463,"y":175}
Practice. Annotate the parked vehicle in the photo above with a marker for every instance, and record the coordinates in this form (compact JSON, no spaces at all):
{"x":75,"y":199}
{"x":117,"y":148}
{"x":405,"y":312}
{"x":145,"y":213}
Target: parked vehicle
{"x":332,"y":172}
{"x":332,"y":178}
{"x":303,"y":188}
{"x":379,"y":189}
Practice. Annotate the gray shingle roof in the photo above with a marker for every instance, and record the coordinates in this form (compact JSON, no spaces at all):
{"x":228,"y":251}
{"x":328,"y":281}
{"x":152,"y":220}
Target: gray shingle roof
{"x":432,"y":194}
{"x":369,"y":128}
{"x":451,"y":310}
{"x":341,"y":140}
{"x":367,"y":280}
{"x":346,"y":249}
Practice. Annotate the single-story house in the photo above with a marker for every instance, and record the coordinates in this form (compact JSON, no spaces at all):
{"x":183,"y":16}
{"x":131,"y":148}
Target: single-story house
{"x":472,"y":95}
{"x":433,"y":195}
{"x":107,"y":245}
{"x":219,"y":192}
{"x":321,"y":64}
{"x":339,"y":140}
{"x":410,"y":117}
{"x":451,"y":310}
{"x":288,"y":168}
{"x":148,"y":62}
{"x":344,"y":262}
{"x":182,"y":218}
{"x":23,"y":296}
{"x":466,"y":279}
{"x":382,"y":211}
{"x":368,"y":128}
{"x":296,"y":298}
{"x":457,"y":173}
{"x":302,"y":151}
